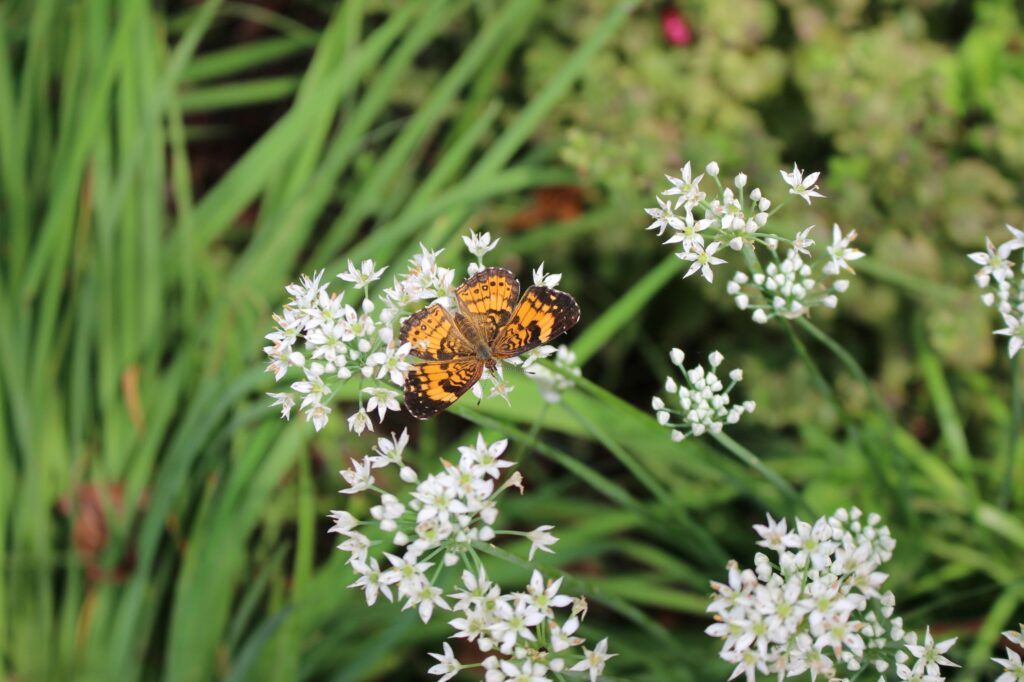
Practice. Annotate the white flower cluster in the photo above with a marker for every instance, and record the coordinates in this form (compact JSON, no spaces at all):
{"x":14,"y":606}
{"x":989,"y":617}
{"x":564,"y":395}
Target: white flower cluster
{"x":434,"y":527}
{"x":818,"y":607}
{"x":788,"y":286}
{"x":704,"y":403}
{"x":551,"y":382}
{"x":1013,"y":666}
{"x":1004,"y":285}
{"x":331,"y":342}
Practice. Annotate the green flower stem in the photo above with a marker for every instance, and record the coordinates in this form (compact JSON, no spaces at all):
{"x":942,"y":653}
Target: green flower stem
{"x":755,"y":462}
{"x":1016,"y":419}
{"x":851,"y":364}
{"x":664,"y":497}
{"x":829,"y":392}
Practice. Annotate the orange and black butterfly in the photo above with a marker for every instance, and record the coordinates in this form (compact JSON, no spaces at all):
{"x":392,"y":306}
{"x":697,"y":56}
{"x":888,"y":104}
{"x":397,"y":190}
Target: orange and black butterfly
{"x":491,"y":324}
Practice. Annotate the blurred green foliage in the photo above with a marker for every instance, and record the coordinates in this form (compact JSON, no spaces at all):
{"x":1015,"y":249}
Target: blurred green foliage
{"x":164,"y":170}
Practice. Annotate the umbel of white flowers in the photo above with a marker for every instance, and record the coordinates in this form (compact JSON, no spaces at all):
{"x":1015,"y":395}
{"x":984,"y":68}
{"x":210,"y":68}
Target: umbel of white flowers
{"x":789,"y":285}
{"x":413,"y":538}
{"x":701,"y":403}
{"x":818,"y":607}
{"x":1003,"y":285}
{"x":331,"y":342}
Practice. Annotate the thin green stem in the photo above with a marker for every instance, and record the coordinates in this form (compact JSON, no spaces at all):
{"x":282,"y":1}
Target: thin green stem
{"x":851,"y":364}
{"x":1016,"y":419}
{"x":754,"y":462}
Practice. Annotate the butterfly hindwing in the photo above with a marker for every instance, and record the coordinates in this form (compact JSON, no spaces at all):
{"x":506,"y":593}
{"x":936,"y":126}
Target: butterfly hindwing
{"x":430,"y":387}
{"x":434,"y":335}
{"x":488,"y":299}
{"x":541,"y":315}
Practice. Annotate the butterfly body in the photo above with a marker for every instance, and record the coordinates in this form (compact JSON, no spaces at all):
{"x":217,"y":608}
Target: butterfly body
{"x":492,"y":323}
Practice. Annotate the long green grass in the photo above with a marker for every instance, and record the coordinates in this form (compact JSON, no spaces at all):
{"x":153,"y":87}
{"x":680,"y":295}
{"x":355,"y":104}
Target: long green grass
{"x":132,"y":305}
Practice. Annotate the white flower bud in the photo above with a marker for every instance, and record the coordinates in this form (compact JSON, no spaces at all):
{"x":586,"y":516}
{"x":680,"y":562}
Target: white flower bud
{"x":407,"y":474}
{"x":486,"y":534}
{"x":742,"y":301}
{"x":677,"y":356}
{"x":711,"y":169}
{"x":760,"y":316}
{"x":657,"y":403}
{"x":736,"y":374}
{"x":841,"y":285}
{"x":830,"y":301}
{"x":401,"y":539}
{"x":663,"y":417}
{"x":677,"y":435}
{"x":715,"y":359}
{"x":755,"y":194}
{"x":772,"y":243}
{"x":741,"y":180}
{"x":736,"y":243}
{"x":670,"y":385}
{"x":297,"y":359}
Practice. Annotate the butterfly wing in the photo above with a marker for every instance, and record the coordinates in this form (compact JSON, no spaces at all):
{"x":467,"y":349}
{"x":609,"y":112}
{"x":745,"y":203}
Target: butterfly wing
{"x":488,"y":298}
{"x":434,"y":335}
{"x":430,"y":387}
{"x":542,"y":315}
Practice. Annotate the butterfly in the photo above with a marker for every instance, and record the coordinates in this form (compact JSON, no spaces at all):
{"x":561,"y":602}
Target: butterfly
{"x":492,"y":323}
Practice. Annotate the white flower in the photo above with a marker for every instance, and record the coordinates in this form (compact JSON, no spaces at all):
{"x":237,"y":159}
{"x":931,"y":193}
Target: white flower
{"x":363,"y":276}
{"x":1015,"y":330}
{"x":594,"y":660}
{"x":1013,"y":667}
{"x":541,"y":539}
{"x":370,"y":581}
{"x":546,"y":598}
{"x":540,"y":279}
{"x":447,"y":666}
{"x":931,"y":653}
{"x":801,"y":186}
{"x":359,"y":422}
{"x":389,"y":450}
{"x":712,"y":169}
{"x":286,"y":401}
{"x":702,"y":258}
{"x":526,"y":671}
{"x":382,"y":400}
{"x":841,"y":252}
{"x":343,"y":522}
{"x":515,"y":622}
{"x":995,"y":261}
{"x":687,"y":188}
{"x":359,"y":477}
{"x":318,"y":414}
{"x":664,"y":216}
{"x":391,"y":362}
{"x":479,"y":244}
{"x":803,"y":242}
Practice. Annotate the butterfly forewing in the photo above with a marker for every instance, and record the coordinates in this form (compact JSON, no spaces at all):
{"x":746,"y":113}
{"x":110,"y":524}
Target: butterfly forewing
{"x":488,"y":299}
{"x":434,"y":334}
{"x":430,"y":387}
{"x":542,"y":315}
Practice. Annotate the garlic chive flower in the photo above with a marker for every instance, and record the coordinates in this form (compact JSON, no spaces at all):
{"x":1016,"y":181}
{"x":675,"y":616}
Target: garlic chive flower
{"x":801,"y":186}
{"x":414,"y":538}
{"x":1004,"y":285}
{"x":325,"y":339}
{"x":701,"y":403}
{"x":1013,"y":666}
{"x":817,"y":607}
{"x":789,"y":280}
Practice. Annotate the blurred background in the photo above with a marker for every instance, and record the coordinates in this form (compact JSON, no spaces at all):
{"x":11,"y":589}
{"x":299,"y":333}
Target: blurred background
{"x":167,"y":167}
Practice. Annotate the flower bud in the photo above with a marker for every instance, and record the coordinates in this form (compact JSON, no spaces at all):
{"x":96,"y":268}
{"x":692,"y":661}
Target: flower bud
{"x":712,"y":169}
